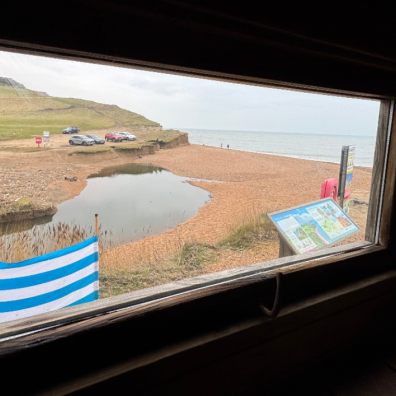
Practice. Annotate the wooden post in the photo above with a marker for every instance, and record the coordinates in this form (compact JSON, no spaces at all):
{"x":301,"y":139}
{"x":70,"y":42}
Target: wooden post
{"x":96,"y":224}
{"x":284,"y":249}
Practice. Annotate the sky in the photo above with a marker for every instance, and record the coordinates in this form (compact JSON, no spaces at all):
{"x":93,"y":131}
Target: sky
{"x":186,"y":102}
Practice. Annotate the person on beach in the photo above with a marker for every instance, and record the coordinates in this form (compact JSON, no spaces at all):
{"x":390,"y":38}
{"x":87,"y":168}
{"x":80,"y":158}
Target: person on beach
{"x":228,"y":146}
{"x":221,"y":145}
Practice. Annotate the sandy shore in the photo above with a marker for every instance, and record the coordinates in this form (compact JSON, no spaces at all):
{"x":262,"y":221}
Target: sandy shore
{"x":242,"y":185}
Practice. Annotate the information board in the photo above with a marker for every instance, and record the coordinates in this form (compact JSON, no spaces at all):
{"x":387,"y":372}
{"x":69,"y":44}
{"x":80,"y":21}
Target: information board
{"x":46,"y":137}
{"x":313,"y":226}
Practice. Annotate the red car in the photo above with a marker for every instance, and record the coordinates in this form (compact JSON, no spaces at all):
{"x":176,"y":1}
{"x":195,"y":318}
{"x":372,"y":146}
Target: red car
{"x":114,"y":137}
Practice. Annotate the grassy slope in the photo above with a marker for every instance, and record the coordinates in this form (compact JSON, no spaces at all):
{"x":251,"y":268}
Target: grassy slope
{"x":165,"y":136}
{"x":24,"y":113}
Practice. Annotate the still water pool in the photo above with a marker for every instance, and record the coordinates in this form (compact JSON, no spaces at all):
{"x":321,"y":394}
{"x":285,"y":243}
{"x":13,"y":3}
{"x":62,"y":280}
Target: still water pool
{"x":133,"y":201}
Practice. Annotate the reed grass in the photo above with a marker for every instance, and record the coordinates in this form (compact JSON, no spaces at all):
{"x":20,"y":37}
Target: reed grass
{"x":251,"y":232}
{"x":189,"y":258}
{"x":184,"y":259}
{"x":19,"y":246}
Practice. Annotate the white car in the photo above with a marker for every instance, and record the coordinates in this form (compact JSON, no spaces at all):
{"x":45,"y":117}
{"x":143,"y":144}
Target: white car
{"x":128,"y":135}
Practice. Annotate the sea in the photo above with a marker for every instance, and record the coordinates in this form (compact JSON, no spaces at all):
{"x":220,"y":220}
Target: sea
{"x":310,"y":146}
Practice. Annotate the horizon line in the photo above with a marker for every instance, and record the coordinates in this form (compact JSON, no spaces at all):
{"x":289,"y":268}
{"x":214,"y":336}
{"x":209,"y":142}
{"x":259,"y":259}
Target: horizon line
{"x":269,"y":131}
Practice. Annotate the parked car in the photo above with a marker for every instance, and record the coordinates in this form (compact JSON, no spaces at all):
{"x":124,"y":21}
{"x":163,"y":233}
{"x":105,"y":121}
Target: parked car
{"x":128,"y":135}
{"x":81,"y":140}
{"x":96,"y":139}
{"x":115,"y":137}
{"x":71,"y":130}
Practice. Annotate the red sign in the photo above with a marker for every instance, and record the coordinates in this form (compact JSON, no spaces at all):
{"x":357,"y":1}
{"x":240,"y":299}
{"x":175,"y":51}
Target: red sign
{"x":39,"y":140}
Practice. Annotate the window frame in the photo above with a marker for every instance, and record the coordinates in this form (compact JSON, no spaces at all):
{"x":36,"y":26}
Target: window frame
{"x":21,"y":334}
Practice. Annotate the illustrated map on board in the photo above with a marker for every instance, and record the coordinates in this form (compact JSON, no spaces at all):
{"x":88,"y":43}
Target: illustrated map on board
{"x":313,"y":226}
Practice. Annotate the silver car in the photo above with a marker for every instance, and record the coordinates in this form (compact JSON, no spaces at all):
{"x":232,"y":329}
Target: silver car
{"x":127,"y":135}
{"x":96,"y":139}
{"x":81,"y":140}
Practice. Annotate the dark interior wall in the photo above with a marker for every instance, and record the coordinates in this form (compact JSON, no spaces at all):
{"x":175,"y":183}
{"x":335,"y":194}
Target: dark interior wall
{"x":349,"y":49}
{"x":185,"y":349}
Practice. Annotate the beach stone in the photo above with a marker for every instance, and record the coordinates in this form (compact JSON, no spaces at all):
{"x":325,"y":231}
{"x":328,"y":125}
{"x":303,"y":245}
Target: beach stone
{"x":71,"y":178}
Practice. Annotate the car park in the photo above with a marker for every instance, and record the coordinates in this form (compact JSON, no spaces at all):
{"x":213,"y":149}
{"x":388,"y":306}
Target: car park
{"x":81,"y":140}
{"x":71,"y":130}
{"x":115,"y":137}
{"x":96,"y":139}
{"x":129,"y":136}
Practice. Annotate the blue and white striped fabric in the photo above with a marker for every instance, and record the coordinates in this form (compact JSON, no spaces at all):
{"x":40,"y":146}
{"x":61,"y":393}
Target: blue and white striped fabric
{"x":46,"y":283}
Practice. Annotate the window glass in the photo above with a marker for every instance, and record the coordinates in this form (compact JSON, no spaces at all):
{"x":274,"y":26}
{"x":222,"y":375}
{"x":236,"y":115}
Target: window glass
{"x":186,"y":176}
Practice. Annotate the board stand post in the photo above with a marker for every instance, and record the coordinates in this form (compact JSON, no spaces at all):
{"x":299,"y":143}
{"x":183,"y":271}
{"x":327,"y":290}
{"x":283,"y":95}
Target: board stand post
{"x":284,"y":248}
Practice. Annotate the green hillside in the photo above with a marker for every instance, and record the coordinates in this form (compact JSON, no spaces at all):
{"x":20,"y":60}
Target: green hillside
{"x":24,"y":113}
